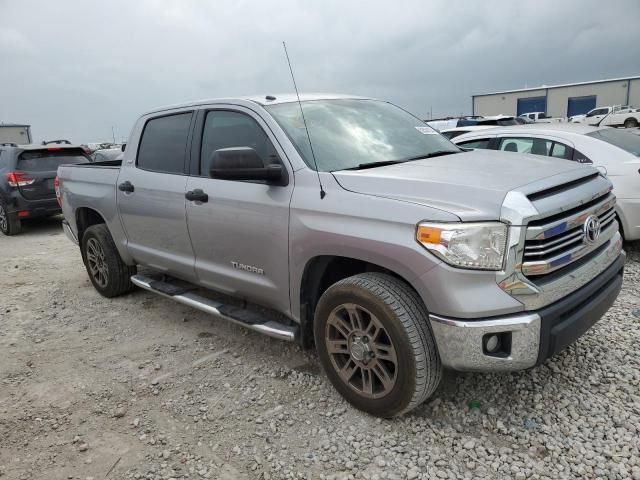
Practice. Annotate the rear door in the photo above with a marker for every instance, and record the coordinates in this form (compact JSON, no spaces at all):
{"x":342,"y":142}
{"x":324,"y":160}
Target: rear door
{"x":36,"y":170}
{"x":150,"y":195}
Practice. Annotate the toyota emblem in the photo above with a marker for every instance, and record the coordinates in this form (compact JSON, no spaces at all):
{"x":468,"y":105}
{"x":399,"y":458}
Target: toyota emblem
{"x":591,"y":229}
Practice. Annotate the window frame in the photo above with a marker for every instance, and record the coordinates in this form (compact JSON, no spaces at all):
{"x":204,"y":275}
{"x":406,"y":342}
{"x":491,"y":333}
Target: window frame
{"x":489,"y":140}
{"x":187,"y":150}
{"x":198,"y":134}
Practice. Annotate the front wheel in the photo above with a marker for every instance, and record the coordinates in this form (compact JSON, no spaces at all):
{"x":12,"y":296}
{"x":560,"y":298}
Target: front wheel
{"x":375,"y":343}
{"x":108,"y":273}
{"x":630,"y":123}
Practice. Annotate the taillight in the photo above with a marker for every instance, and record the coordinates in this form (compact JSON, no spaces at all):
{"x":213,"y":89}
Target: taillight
{"x":19,"y":179}
{"x":56,"y":186}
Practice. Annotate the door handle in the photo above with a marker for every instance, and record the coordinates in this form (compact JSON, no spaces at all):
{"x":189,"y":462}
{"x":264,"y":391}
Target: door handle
{"x":126,"y":187}
{"x":197,"y":195}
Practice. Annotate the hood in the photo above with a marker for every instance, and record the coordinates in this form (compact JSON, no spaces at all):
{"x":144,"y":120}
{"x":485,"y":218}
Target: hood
{"x":471,"y":185}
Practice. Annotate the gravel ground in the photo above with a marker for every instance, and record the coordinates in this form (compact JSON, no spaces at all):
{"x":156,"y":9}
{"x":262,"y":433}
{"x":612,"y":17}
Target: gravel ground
{"x":142,"y":388}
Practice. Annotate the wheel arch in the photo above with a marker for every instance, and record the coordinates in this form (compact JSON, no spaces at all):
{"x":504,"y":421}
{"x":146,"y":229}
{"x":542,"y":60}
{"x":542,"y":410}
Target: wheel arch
{"x":322,"y":271}
{"x":86,"y":217}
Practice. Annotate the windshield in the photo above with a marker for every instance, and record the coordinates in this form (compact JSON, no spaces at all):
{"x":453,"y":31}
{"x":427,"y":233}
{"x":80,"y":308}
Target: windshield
{"x":352,"y":133}
{"x":49,"y":160}
{"x":624,"y":140}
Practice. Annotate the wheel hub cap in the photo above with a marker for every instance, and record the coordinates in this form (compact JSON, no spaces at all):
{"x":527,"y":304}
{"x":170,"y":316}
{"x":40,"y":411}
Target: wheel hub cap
{"x":360,"y":350}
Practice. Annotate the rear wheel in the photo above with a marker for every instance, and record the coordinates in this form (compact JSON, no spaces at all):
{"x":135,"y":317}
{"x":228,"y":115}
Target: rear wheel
{"x":375,"y":343}
{"x":108,"y":273}
{"x":630,"y":123}
{"x":9,"y":223}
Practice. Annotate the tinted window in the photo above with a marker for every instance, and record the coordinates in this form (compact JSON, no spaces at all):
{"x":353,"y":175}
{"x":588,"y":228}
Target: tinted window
{"x":560,"y":150}
{"x":624,"y":140}
{"x":535,"y":146}
{"x":224,"y":129}
{"x":350,"y":133}
{"x":164,"y":144}
{"x":451,"y":135}
{"x":480,"y":143}
{"x":597,"y":111}
{"x":580,"y":157}
{"x":49,"y":160}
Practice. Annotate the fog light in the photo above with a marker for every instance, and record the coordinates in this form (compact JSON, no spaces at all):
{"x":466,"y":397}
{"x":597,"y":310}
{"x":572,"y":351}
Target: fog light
{"x":492,"y":344}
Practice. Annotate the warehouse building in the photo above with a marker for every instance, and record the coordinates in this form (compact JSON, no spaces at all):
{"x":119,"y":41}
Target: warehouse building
{"x":560,"y":100}
{"x":15,"y":133}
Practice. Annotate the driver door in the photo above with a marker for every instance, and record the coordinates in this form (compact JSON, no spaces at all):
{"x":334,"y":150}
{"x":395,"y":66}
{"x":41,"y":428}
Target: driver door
{"x":240,"y":233}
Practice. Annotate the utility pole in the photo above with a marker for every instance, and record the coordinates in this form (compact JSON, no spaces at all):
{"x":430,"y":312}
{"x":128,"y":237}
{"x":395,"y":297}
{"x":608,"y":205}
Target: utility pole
{"x":113,"y":134}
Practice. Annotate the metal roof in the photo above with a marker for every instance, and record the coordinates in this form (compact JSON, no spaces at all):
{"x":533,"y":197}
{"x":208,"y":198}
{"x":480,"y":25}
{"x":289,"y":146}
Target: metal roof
{"x":547,"y":87}
{"x":14,"y":125}
{"x":261,"y":100}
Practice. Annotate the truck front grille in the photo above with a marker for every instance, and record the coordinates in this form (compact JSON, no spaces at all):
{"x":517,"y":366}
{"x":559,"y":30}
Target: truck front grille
{"x":557,"y":241}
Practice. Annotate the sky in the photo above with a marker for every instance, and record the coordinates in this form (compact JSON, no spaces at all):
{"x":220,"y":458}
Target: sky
{"x":76,"y":68}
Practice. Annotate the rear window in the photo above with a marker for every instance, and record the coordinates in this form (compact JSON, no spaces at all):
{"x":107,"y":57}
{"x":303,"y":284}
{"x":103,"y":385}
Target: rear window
{"x":164,"y":143}
{"x":625,"y":140}
{"x":50,"y":160}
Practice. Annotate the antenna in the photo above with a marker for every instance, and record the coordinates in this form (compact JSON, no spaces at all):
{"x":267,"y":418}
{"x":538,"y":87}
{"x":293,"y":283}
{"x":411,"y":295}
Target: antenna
{"x":313,"y":155}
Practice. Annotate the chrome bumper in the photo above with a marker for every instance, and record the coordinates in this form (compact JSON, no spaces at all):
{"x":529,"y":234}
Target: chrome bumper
{"x":68,"y":232}
{"x":460,"y":342}
{"x":527,"y":338}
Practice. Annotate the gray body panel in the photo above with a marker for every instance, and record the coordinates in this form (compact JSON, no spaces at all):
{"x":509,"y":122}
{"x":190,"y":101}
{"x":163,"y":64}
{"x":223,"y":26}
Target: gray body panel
{"x":369,"y":215}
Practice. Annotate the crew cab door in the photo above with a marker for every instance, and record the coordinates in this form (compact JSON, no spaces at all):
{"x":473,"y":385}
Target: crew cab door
{"x":240,"y":233}
{"x":150,"y":193}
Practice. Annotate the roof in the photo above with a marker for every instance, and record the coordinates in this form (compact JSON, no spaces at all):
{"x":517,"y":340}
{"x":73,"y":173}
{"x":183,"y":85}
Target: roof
{"x":262,"y":100}
{"x":14,"y":125}
{"x":469,"y":128}
{"x":546,"y":87}
{"x":538,"y":129}
{"x":38,"y":146}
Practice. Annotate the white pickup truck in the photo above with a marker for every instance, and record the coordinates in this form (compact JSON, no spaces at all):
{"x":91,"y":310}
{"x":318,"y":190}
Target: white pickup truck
{"x":541,"y":117}
{"x":612,"y":116}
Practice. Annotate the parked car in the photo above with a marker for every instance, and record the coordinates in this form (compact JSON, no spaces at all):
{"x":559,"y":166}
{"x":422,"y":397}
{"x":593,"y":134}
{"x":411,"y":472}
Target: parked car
{"x":496,"y":120}
{"x":523,"y":120}
{"x":613,"y":116}
{"x":454,"y":132}
{"x":541,"y":117}
{"x":107,"y":155}
{"x":27,"y":174}
{"x":616,"y":151}
{"x":392,"y":250}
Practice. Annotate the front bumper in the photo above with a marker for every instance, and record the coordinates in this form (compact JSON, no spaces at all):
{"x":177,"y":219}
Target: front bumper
{"x":528,"y":338}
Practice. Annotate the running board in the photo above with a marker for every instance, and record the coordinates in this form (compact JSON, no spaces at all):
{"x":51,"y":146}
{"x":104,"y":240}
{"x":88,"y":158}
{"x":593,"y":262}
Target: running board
{"x":237,"y":315}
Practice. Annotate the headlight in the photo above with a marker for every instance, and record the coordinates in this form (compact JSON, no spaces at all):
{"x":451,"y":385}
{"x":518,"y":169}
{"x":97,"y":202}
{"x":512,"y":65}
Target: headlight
{"x":479,"y":246}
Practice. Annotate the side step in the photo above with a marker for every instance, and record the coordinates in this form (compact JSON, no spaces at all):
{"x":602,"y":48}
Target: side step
{"x":237,"y":315}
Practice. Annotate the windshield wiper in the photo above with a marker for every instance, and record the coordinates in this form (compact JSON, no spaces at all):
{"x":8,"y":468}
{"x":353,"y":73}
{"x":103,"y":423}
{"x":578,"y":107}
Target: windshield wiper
{"x":383,"y":163}
{"x":438,"y":153}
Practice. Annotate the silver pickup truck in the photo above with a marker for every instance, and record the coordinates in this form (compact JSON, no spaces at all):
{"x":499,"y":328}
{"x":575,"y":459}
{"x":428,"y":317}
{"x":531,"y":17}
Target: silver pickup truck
{"x":355,"y":228}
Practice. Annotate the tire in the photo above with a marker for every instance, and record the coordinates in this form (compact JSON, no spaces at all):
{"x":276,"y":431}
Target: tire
{"x":362,"y":325}
{"x":9,"y":224}
{"x":630,"y":123}
{"x":109,"y":275}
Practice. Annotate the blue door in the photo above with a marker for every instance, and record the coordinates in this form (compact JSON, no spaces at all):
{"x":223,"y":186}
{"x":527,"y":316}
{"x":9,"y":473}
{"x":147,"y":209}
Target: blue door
{"x":580,"y":105}
{"x":532,"y":104}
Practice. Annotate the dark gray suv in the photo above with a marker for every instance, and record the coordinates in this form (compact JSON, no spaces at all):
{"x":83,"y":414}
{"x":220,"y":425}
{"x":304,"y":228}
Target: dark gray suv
{"x":27,"y":176}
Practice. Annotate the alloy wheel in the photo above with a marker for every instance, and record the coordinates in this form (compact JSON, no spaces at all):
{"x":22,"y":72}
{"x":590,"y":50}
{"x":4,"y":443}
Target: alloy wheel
{"x":97,"y":262}
{"x":361,"y":350}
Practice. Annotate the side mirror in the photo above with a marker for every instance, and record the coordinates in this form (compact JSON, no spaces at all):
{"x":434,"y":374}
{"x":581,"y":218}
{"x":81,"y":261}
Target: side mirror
{"x":244,"y":163}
